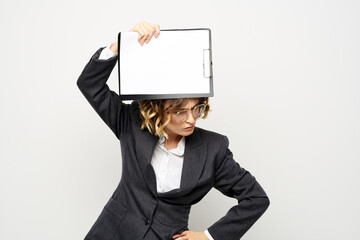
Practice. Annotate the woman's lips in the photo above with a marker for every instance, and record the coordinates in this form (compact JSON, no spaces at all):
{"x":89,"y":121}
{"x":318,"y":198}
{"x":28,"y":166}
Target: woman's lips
{"x":189,"y":128}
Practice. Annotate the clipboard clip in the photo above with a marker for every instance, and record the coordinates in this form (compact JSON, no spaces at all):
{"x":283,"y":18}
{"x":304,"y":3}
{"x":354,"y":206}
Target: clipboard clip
{"x":207,"y":63}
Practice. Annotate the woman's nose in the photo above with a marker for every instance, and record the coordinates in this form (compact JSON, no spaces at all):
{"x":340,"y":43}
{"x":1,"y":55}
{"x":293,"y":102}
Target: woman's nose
{"x":190,"y":118}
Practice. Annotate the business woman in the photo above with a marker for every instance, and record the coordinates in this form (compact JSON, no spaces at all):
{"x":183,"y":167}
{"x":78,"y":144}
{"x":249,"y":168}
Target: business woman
{"x":168,"y":164}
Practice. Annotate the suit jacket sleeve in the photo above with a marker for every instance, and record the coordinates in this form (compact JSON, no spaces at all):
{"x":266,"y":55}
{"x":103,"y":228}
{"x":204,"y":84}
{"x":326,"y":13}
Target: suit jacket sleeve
{"x":234,"y":181}
{"x":107,"y":103}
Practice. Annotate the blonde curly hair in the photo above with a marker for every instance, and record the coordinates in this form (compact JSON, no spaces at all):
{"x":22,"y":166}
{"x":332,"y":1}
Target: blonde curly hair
{"x":153,"y":113}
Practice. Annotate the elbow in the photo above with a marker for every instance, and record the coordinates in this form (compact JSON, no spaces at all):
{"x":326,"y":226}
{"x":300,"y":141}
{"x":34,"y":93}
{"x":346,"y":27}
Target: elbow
{"x":264,"y":203}
{"x":78,"y":83}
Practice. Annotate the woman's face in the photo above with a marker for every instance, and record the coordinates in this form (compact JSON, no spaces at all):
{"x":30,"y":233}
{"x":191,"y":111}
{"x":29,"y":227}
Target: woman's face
{"x":182,"y":127}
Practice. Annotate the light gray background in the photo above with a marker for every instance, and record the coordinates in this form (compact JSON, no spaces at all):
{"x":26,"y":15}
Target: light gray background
{"x":287,"y":94}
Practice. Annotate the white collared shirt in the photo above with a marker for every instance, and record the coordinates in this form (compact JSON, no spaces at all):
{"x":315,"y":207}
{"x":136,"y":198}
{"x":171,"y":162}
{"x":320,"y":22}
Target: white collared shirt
{"x":167,"y":164}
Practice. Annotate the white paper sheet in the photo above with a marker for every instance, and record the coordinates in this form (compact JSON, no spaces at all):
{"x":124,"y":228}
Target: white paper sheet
{"x":173,"y":63}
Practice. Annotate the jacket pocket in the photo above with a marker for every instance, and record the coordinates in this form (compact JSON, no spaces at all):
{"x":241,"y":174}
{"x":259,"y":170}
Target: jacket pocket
{"x":107,"y":224}
{"x":116,"y":208}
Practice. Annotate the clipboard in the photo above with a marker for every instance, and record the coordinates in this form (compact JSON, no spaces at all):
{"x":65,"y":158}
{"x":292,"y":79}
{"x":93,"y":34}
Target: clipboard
{"x":176,"y":64}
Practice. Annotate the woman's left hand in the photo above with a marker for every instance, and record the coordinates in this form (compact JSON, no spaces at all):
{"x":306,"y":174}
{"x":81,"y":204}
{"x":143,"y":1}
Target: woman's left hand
{"x":190,"y":235}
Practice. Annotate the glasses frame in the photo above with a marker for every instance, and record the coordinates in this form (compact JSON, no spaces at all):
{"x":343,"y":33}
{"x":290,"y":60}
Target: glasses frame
{"x":177,"y":114}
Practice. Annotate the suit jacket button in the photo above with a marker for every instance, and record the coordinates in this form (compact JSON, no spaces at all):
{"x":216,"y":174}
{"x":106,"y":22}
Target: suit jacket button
{"x":147,"y":221}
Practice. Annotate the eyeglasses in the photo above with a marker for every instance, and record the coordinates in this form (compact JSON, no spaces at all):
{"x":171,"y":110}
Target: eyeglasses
{"x":197,"y":112}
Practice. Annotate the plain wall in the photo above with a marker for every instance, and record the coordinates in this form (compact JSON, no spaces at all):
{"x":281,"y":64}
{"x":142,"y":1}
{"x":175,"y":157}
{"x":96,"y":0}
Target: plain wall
{"x":287,"y":95}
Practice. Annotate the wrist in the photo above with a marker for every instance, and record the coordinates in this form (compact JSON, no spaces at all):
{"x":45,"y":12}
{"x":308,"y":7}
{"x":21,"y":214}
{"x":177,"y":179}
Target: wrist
{"x":114,"y":47}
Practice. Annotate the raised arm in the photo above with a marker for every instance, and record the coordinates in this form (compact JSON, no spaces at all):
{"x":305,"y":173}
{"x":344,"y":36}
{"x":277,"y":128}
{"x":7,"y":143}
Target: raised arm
{"x":107,"y":103}
{"x":92,"y":83}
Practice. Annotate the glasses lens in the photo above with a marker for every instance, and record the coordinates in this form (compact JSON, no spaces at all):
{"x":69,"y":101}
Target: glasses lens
{"x":181,"y":116}
{"x":198,"y":111}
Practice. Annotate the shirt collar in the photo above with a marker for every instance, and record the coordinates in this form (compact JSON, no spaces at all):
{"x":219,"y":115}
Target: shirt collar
{"x":179,"y":150}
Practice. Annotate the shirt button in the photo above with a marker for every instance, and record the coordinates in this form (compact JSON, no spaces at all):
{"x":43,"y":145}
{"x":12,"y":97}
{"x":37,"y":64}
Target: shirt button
{"x":147,"y":221}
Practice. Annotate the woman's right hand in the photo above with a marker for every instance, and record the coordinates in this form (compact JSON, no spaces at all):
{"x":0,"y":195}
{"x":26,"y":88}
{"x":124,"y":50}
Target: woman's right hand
{"x":145,"y":30}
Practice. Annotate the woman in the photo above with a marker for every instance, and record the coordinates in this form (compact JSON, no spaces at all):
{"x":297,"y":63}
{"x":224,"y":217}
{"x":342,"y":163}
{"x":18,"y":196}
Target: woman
{"x":168,"y":164}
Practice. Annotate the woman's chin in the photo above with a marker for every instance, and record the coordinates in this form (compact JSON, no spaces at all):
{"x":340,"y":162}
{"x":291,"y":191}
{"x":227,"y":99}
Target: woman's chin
{"x":187,"y":132}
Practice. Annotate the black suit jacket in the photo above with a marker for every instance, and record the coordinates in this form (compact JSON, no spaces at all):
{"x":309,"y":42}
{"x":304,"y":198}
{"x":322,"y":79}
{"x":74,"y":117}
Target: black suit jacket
{"x":135,"y":208}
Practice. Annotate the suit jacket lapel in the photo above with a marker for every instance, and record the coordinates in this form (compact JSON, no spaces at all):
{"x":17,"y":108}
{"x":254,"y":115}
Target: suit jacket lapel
{"x":194,"y":160}
{"x":145,"y":146}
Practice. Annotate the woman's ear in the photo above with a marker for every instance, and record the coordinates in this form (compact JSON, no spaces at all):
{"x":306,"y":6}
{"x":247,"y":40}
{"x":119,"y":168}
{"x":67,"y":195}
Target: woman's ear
{"x":163,"y":107}
{"x":164,"y":116}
